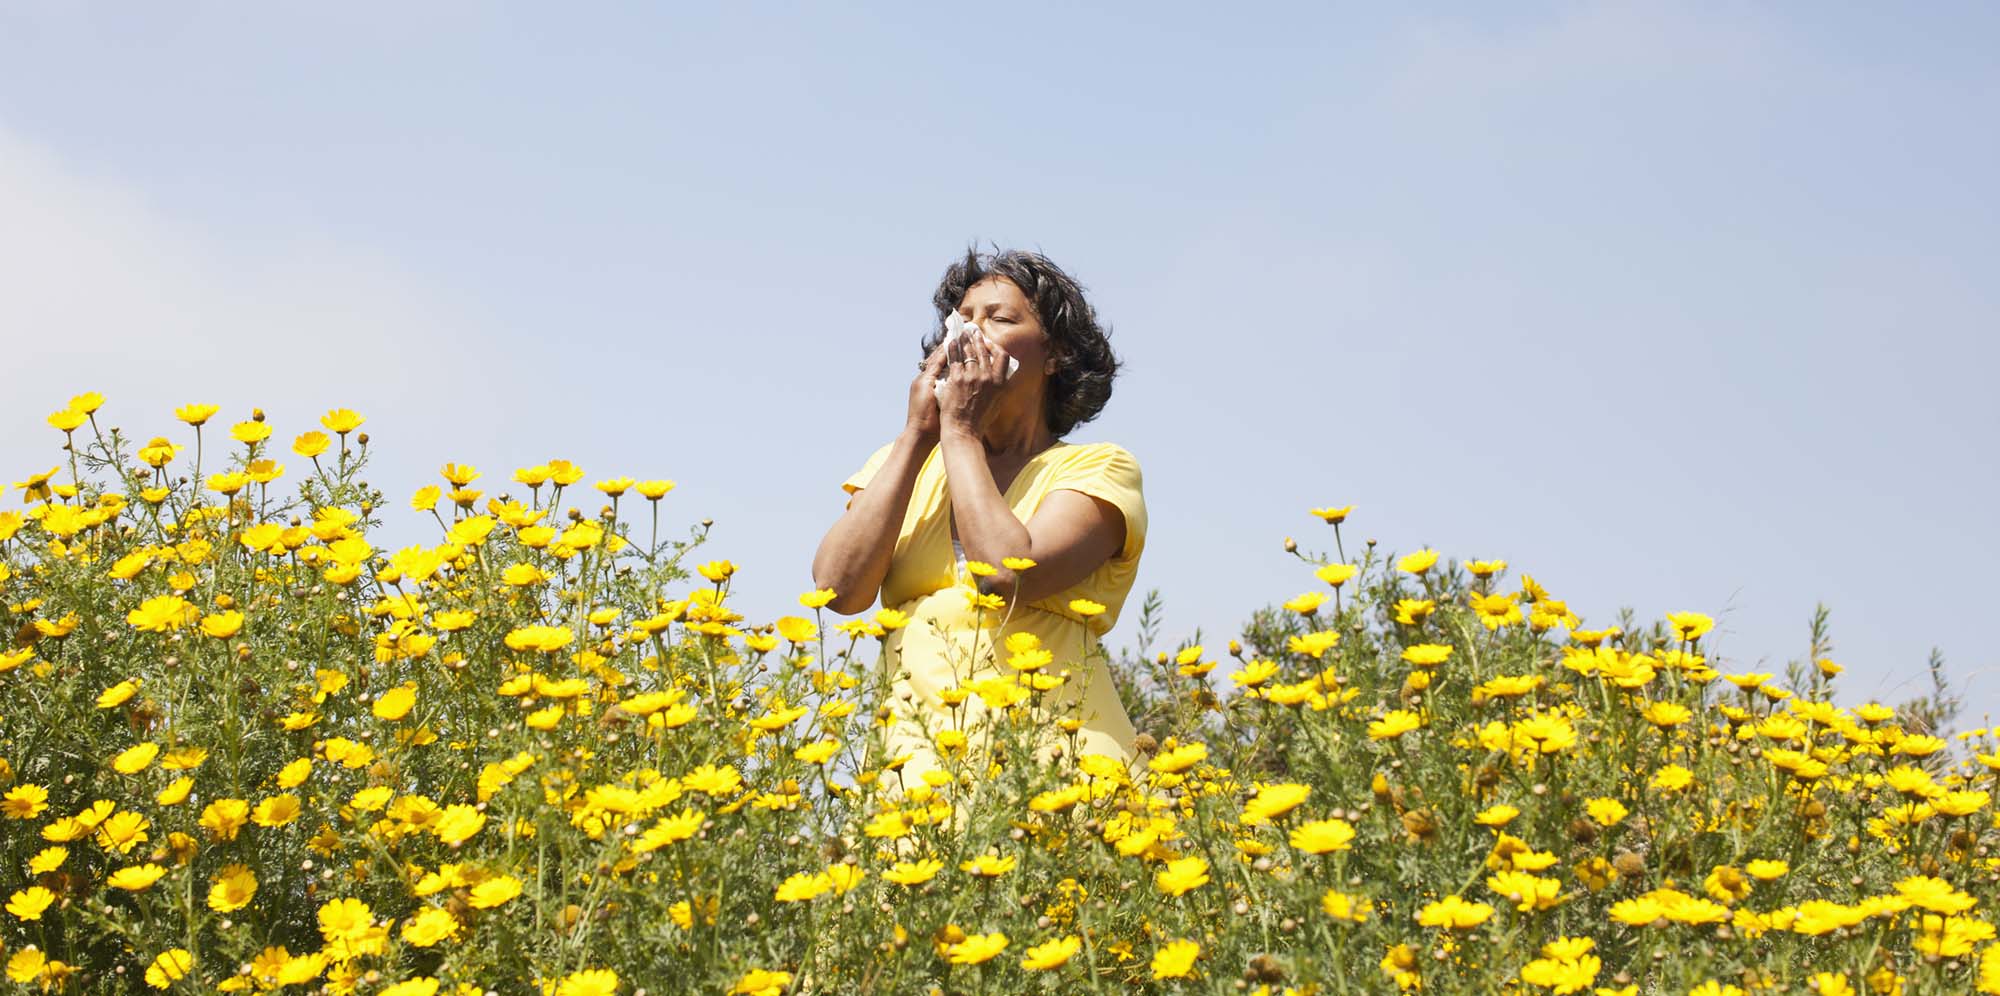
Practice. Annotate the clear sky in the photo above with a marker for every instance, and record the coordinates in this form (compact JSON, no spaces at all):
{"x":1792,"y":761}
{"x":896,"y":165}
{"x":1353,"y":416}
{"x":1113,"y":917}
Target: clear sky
{"x":1673,"y":306}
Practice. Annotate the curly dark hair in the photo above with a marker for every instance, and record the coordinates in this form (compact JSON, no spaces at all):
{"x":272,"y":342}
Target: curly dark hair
{"x":1085,"y":366}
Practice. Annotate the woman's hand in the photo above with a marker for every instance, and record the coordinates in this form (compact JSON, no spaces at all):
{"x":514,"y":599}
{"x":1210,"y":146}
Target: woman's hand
{"x":965,"y":399}
{"x":923,"y":398}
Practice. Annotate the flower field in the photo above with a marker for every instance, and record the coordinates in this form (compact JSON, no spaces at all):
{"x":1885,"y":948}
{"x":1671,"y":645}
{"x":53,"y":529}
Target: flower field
{"x":242,"y":749}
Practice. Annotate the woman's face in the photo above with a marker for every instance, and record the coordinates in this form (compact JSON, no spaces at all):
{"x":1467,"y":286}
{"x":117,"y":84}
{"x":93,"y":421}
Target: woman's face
{"x":1010,"y":319}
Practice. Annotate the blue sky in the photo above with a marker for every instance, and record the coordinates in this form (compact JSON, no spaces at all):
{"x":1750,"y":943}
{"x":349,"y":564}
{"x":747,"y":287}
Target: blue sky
{"x":1672,"y":307}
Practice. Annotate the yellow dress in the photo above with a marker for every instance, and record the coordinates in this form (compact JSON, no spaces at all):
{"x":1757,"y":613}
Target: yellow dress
{"x":942,"y":646}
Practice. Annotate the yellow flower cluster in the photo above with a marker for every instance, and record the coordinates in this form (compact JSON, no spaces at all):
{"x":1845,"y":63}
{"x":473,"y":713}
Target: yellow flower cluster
{"x":265,"y":742}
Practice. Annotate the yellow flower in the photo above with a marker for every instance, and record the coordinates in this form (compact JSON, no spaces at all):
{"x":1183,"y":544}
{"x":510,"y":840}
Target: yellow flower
{"x":1689,"y":626}
{"x":1607,"y":812}
{"x":818,"y":752}
{"x":913,"y":872}
{"x":494,"y":891}
{"x":1175,"y":960}
{"x":232,"y":889}
{"x":135,"y":758}
{"x":1179,"y":758}
{"x":136,"y":878}
{"x":976,"y":948}
{"x":1766,"y":870}
{"x":1934,"y":894}
{"x":222,"y":625}
{"x":1333,"y":516}
{"x":28,"y":903}
{"x":458,"y":823}
{"x":161,"y":614}
{"x":429,"y":926}
{"x":988,"y":866}
{"x":27,"y":965}
{"x":1272,"y":801}
{"x":1341,"y":906}
{"x":1337,"y":574}
{"x":589,"y":982}
{"x":122,"y":831}
{"x":1526,"y":891}
{"x":224,"y":817}
{"x":1394,"y":724}
{"x":655,"y":490}
{"x":1495,"y":611}
{"x":252,"y":432}
{"x":1182,"y":875}
{"x":196,"y":414}
{"x":1427,"y":654}
{"x":546,"y":639}
{"x":311,"y":444}
{"x":341,"y":421}
{"x":395,"y":703}
{"x":1323,"y":836}
{"x":993,"y":601}
{"x":116,"y":695}
{"x":717,"y":570}
{"x":277,"y":811}
{"x":1454,"y":913}
{"x":1308,"y":603}
{"x":1313,"y":644}
{"x":1085,"y":607}
{"x":712,"y":780}
{"x":1043,"y":957}
{"x":761,"y":982}
{"x":169,"y":967}
{"x":1411,"y":611}
{"x":1666,"y":714}
{"x":1254,"y":673}
{"x":1418,"y":562}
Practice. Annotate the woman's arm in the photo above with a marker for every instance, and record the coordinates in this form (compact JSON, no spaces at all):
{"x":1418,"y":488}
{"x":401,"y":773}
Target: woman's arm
{"x":854,"y":557}
{"x":1071,"y":535}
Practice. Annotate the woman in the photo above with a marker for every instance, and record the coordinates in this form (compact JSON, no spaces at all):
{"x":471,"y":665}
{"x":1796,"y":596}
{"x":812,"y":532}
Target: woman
{"x":980,"y":473}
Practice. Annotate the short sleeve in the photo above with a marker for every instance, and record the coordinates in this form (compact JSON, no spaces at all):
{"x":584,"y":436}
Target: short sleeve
{"x":860,"y":478}
{"x":1110,"y":472}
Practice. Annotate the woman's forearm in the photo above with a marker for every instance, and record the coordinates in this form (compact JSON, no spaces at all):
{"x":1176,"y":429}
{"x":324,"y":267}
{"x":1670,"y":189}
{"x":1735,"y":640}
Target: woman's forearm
{"x":854,"y":557}
{"x":987,"y":526}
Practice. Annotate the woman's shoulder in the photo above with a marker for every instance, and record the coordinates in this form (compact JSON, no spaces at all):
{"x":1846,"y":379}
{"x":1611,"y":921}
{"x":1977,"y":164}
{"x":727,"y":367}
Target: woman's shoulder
{"x":1101,"y":454}
{"x":1100,"y":449}
{"x":1099,"y":461}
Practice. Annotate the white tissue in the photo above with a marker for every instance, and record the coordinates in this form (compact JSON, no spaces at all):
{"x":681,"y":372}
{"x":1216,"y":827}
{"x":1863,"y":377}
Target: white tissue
{"x":955,"y":327}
